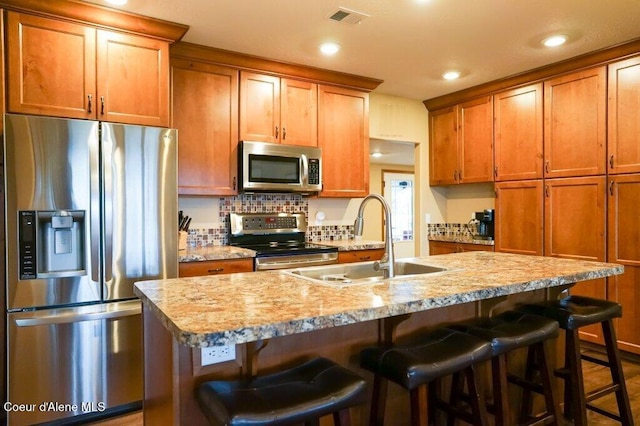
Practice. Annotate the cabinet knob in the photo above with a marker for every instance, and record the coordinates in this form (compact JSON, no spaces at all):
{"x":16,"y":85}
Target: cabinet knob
{"x":89,"y":104}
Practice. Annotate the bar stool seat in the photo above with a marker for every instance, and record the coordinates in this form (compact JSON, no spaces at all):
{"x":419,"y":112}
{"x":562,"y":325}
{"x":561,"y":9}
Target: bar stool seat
{"x":572,"y":313}
{"x":418,"y":364}
{"x":507,"y":332}
{"x":301,"y":394}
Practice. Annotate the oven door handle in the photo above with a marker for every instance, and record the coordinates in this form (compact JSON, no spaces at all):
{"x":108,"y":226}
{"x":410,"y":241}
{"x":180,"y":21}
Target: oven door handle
{"x":271,"y":265}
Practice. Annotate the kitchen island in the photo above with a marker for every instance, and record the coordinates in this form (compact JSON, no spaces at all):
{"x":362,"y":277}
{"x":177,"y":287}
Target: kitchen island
{"x":300,"y":318}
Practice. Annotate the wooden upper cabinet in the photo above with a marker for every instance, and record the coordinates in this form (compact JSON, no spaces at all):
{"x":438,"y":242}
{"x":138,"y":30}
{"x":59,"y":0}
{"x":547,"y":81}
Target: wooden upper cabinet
{"x":518,"y":133}
{"x":519,"y":217}
{"x":461,"y":143}
{"x":59,"y":80}
{"x":299,"y":112}
{"x":475,"y":141}
{"x":443,"y":146}
{"x":278,"y":110}
{"x":624,"y":117}
{"x":85,"y":73}
{"x":259,"y":107}
{"x":343,"y":135}
{"x":575,"y":124}
{"x":205,"y":111}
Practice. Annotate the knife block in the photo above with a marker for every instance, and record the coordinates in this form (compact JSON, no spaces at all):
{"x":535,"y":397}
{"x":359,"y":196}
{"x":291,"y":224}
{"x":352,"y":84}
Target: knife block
{"x":182,"y":240}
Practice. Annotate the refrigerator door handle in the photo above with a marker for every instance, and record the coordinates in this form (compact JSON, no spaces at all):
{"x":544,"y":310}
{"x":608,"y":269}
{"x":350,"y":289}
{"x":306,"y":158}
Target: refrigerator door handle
{"x":95,"y":205}
{"x":108,"y":145}
{"x":78,"y":317}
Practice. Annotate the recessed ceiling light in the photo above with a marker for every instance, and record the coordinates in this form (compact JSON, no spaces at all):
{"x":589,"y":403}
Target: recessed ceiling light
{"x":555,"y":40}
{"x":376,"y":154}
{"x":329,"y":48}
{"x":117,"y":2}
{"x":451,"y":75}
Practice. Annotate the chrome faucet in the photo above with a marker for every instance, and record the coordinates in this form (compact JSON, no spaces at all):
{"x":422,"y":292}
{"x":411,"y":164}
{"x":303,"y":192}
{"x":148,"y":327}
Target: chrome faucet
{"x":388,"y":260}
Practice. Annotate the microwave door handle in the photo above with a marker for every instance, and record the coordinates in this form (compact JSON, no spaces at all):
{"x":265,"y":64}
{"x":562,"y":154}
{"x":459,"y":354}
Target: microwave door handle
{"x":305,"y":170}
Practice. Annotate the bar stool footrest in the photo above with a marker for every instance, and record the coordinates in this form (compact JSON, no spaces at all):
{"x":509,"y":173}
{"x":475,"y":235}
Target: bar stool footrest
{"x":535,"y":387}
{"x":604,"y":412}
{"x":595,"y":360}
{"x":600,"y":392}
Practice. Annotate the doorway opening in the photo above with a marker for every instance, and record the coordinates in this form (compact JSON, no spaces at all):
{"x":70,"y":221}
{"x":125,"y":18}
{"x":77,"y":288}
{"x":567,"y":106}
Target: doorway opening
{"x":400,"y":195}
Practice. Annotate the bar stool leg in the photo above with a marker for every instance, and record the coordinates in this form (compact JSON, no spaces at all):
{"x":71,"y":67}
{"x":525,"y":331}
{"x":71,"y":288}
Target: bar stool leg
{"x":475,"y":392}
{"x":500,"y":391}
{"x":526,"y":406}
{"x":457,"y":389}
{"x":617,"y":375}
{"x":547,"y":382}
{"x":574,"y":386}
{"x":418,"y":398}
{"x":342,"y":418}
{"x":376,"y":417}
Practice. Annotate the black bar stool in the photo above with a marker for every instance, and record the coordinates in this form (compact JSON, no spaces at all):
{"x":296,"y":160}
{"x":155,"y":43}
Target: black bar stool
{"x":302,"y":394}
{"x":572,"y":313}
{"x":419,"y":365}
{"x":508,"y":332}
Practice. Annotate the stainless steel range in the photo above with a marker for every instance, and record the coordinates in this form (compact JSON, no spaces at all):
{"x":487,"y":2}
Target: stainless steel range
{"x":278,"y":240}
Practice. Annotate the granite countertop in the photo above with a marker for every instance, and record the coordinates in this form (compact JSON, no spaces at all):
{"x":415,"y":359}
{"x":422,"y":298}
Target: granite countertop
{"x":198,"y":254}
{"x":260,"y":305}
{"x":465,"y":239}
{"x":352,"y":244}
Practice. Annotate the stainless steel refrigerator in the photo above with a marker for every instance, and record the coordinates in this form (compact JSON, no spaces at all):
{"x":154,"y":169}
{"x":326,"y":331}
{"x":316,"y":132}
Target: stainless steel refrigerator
{"x":91,"y":208}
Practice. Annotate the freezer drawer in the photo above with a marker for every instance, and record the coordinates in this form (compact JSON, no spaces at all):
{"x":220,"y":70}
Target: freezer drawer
{"x":76,"y":361}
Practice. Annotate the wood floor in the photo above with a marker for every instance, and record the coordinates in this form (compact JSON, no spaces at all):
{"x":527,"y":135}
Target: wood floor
{"x":594,"y":375}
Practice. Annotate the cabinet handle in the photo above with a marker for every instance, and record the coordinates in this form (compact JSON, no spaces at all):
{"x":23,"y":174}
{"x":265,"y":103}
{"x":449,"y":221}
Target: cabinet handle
{"x":102,"y":105}
{"x":546,"y":191}
{"x":611,"y":186}
{"x":234,"y":183}
{"x":546,"y":166}
{"x":495,"y":171}
{"x":284,"y":133}
{"x":89,"y":105}
{"x":455,"y":175}
{"x":365,"y":257}
{"x":611,"y":162}
{"x":215,"y":271}
{"x":459,"y":175}
{"x":277,"y":132}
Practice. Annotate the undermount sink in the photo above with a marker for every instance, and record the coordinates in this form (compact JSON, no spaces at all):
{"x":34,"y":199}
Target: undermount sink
{"x":345,"y":274}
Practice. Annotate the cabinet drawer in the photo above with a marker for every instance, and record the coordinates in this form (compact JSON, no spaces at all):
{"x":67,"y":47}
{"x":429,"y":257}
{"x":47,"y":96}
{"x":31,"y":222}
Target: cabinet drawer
{"x":445,"y":247}
{"x":215,"y":267}
{"x":360,"y":255}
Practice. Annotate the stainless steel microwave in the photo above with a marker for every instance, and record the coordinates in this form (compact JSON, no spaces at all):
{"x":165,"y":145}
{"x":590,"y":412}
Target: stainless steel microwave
{"x":270,"y":167}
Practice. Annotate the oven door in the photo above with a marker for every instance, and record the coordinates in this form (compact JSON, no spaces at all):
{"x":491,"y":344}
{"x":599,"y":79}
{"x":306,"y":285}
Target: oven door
{"x":267,"y":263}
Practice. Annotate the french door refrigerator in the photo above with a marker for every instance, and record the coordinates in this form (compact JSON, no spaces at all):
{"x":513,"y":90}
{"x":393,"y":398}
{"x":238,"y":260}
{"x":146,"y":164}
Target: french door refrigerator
{"x":91,"y":208}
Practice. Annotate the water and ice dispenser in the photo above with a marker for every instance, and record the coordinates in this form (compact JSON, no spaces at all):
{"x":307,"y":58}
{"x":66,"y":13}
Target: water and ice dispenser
{"x":51,"y":243}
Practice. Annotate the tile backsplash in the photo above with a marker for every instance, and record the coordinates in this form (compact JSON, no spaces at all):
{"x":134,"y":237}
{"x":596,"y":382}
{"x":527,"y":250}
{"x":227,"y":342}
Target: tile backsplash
{"x":452,"y":229}
{"x":262,"y":203}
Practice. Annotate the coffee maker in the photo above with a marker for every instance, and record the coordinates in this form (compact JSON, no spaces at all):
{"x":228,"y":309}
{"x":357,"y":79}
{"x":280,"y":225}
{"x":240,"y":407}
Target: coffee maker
{"x":486,"y":222}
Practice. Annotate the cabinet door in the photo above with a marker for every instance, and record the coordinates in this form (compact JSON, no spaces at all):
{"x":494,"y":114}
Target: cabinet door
{"x":575,"y":229}
{"x":624,"y":117}
{"x":475,"y":141}
{"x":519,"y":217}
{"x":575,"y":124}
{"x":343,"y":135}
{"x":299,"y":112}
{"x":518,"y":133}
{"x":133,"y":79}
{"x":205,"y":112}
{"x":51,"y":67}
{"x":624,"y":235}
{"x":442,"y":247}
{"x":443,"y":146}
{"x":259,"y":107}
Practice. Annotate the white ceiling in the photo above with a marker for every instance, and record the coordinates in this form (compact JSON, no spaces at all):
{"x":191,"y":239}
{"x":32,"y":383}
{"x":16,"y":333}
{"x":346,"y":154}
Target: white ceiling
{"x":406,"y":43}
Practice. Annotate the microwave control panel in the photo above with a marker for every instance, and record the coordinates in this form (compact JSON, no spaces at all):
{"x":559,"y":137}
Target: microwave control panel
{"x":314,"y":171}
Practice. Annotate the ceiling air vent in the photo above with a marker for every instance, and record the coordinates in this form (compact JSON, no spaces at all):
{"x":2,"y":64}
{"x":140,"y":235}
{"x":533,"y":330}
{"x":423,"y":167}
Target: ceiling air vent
{"x":348,"y":16}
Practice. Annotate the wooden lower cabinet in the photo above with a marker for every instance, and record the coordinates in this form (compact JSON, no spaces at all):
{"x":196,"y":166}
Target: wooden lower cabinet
{"x":575,"y":228}
{"x":445,"y":247}
{"x":624,"y":235}
{"x":360,"y":255}
{"x":215,"y":267}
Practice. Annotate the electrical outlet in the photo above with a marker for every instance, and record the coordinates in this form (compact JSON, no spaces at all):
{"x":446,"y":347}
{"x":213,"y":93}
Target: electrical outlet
{"x":217,"y":354}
